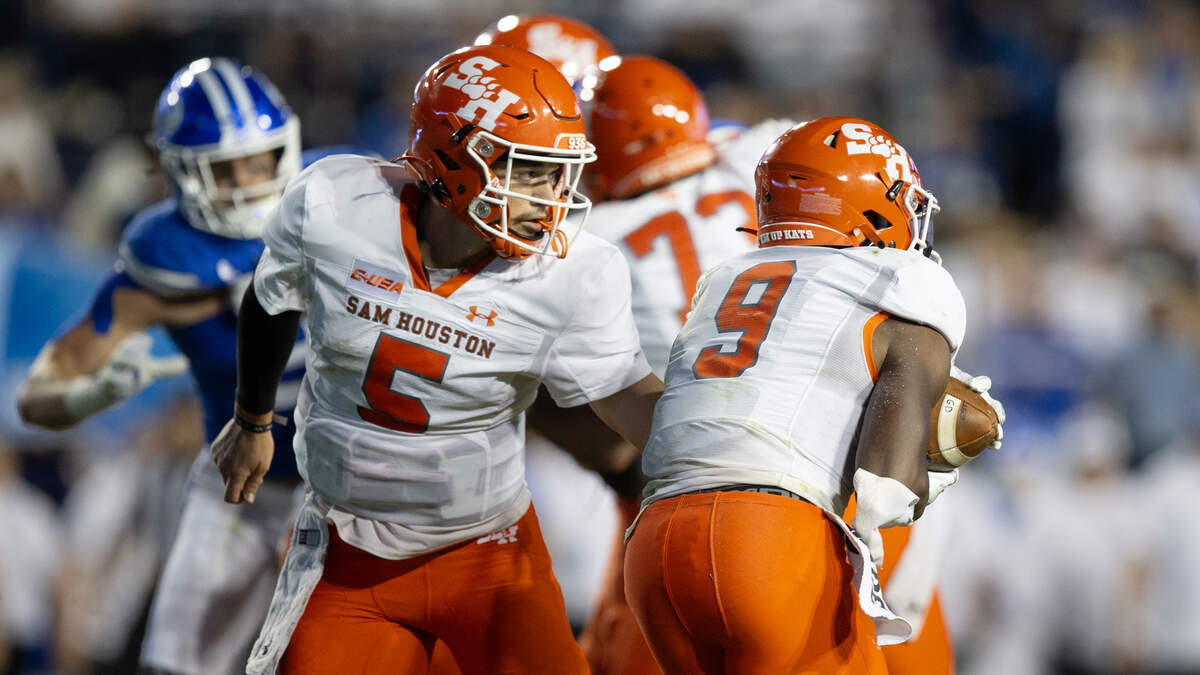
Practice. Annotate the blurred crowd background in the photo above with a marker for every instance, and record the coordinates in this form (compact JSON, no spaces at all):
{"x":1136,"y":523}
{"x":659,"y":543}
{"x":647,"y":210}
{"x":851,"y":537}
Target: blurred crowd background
{"x":1062,"y":138}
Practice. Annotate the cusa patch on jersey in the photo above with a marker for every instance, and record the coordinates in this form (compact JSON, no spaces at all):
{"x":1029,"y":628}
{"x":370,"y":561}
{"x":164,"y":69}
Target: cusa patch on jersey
{"x":379,"y":282}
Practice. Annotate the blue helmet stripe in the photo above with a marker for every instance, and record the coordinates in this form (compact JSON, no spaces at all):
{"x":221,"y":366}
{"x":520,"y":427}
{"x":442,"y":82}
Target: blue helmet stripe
{"x":235,"y":86}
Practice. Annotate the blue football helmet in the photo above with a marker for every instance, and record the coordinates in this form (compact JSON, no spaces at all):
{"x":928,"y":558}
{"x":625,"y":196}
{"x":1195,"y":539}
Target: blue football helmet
{"x":217,"y":110}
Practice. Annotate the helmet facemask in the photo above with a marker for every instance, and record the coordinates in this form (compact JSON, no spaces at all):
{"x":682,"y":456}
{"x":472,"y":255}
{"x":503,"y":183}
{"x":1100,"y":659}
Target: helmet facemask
{"x":238,"y":212}
{"x":489,"y":210}
{"x":920,"y":206}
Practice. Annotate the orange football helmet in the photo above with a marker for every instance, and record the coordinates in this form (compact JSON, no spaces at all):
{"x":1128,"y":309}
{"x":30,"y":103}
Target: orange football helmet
{"x":574,"y":47}
{"x":480,"y":105}
{"x":840,"y":181}
{"x":650,"y":127}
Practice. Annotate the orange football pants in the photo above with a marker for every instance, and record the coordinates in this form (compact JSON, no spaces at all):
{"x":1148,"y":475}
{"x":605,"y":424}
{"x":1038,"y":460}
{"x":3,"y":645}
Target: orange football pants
{"x":932,"y":651}
{"x":612,"y":641}
{"x":741,"y":582}
{"x":494,"y":602}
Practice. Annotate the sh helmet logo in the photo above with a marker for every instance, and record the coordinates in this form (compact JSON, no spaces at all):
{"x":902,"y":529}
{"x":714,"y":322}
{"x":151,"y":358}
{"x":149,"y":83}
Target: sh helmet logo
{"x":487,"y":96}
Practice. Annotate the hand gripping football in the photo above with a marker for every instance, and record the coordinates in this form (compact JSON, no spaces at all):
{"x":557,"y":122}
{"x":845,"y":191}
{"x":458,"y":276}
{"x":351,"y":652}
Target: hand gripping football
{"x":961,"y":426}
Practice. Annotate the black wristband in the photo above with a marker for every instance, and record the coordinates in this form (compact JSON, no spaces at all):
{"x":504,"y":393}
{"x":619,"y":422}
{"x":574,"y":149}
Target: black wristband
{"x":251,"y":426}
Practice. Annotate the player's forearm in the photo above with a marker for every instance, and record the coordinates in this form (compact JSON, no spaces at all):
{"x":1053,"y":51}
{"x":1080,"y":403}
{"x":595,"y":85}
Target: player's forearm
{"x":50,"y":400}
{"x":630,"y":411}
{"x":41,"y":404}
{"x":264,"y":344}
{"x":895,"y":430}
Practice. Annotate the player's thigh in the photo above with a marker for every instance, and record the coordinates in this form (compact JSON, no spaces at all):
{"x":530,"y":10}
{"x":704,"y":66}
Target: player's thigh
{"x":343,"y":631}
{"x":670,"y":641}
{"x":214,"y":590}
{"x":499,"y":608}
{"x":222,"y":547}
{"x":778,"y":571}
{"x":763,"y":575}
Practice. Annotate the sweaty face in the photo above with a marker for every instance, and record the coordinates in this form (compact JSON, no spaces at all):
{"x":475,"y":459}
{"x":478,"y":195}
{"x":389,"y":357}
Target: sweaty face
{"x":526,"y":219}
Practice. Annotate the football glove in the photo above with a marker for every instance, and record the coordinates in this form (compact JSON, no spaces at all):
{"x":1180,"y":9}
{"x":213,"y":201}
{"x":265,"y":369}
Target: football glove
{"x":130,"y":369}
{"x":882,"y":502}
{"x":981,"y":384}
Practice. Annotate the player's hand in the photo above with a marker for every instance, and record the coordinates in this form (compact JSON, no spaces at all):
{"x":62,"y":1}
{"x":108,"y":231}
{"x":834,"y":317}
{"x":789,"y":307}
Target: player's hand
{"x":242,"y":457}
{"x":938,"y":482}
{"x":981,"y":384}
{"x":130,"y":369}
{"x":882,"y":502}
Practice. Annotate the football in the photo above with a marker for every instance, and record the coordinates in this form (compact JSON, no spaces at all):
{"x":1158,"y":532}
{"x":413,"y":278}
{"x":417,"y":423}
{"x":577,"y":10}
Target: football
{"x":961,"y":426}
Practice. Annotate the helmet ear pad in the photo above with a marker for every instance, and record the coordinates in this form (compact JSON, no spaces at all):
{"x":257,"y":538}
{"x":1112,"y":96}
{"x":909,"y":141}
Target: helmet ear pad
{"x":879,"y":230}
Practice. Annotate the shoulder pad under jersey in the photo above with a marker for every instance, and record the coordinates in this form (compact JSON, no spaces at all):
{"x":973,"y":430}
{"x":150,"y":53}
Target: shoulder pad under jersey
{"x":918,"y":290}
{"x":168,"y":257}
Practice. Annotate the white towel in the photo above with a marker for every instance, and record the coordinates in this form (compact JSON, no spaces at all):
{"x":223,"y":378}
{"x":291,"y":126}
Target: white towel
{"x":301,"y":571}
{"x":890,"y":628}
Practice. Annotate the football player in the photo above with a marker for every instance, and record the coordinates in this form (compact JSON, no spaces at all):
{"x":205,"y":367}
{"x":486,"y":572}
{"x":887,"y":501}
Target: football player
{"x":228,"y":143}
{"x":804,"y":373}
{"x":573,"y":505}
{"x":438,"y":292}
{"x":673,"y":202}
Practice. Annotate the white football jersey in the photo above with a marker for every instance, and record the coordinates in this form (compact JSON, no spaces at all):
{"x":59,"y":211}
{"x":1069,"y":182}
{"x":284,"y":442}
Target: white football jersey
{"x":409,"y":423}
{"x":671,"y":235}
{"x":770,"y":375}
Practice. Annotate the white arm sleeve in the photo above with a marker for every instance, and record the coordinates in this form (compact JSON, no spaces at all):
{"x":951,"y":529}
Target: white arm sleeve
{"x":599,"y":353}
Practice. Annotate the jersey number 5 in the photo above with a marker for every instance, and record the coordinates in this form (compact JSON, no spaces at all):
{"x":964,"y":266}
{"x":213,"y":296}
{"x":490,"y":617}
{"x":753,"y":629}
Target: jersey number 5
{"x":748,"y":308}
{"x":391,"y":409}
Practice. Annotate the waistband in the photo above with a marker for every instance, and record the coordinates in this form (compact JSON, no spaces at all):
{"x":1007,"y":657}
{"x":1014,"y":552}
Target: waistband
{"x":761,"y":489}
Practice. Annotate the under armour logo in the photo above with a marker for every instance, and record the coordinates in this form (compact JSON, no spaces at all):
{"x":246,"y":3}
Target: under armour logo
{"x":490,"y":317}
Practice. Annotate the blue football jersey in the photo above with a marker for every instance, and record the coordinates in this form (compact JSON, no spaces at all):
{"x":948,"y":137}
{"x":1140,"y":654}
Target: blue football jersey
{"x":161,"y":253}
{"x":164,"y":255}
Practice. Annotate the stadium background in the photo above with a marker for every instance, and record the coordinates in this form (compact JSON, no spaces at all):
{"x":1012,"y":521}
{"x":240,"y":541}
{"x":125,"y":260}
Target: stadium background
{"x":1062,"y":138}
